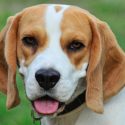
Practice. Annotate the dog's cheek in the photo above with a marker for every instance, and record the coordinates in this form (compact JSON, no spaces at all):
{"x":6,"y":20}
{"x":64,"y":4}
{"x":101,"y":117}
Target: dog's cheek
{"x":32,"y":91}
{"x":64,"y":90}
{"x":32,"y":88}
{"x":67,"y":86}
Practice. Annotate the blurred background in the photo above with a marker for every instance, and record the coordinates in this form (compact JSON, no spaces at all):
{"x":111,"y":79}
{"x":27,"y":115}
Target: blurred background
{"x":111,"y":11}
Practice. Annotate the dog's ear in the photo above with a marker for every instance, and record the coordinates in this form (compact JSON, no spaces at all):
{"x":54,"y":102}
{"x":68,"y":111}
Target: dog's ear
{"x":3,"y":64}
{"x":8,"y":61}
{"x":106,"y":70}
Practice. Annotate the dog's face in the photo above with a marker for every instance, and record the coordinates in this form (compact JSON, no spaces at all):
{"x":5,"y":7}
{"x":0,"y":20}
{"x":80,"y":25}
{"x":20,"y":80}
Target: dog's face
{"x":57,"y":47}
{"x":53,"y":52}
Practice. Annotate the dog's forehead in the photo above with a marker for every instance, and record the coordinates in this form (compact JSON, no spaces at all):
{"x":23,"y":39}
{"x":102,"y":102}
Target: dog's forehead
{"x":37,"y":14}
{"x":71,"y":18}
{"x":54,"y":26}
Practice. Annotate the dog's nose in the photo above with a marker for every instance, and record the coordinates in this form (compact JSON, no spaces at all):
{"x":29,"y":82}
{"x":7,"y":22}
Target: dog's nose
{"x":47,"y":78}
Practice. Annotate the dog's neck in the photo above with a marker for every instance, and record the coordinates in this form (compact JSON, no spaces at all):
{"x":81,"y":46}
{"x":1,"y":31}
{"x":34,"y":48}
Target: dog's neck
{"x":74,"y":104}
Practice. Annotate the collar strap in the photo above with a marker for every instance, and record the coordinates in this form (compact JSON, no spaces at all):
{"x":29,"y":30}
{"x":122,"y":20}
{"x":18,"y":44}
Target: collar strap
{"x":73,"y":105}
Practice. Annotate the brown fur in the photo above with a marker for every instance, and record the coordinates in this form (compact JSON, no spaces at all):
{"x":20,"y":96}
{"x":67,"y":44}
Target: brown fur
{"x":8,"y":67}
{"x":105,"y":75}
{"x":75,"y":26}
{"x":58,"y":8}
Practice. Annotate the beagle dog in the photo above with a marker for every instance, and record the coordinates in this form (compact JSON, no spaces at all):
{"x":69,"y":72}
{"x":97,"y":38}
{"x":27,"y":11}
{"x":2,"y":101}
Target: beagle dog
{"x":71,"y":64}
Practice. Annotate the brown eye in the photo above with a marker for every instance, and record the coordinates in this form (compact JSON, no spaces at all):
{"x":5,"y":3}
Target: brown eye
{"x":75,"y":45}
{"x":30,"y":41}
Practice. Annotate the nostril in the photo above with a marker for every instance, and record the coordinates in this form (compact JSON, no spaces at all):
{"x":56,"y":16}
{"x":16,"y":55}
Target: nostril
{"x":54,"y":76}
{"x":47,"y":78}
{"x":40,"y":76}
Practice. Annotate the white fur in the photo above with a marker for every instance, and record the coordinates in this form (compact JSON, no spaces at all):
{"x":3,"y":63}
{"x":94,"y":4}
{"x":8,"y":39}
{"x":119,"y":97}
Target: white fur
{"x":53,"y":57}
{"x":23,"y":69}
{"x":114,"y":113}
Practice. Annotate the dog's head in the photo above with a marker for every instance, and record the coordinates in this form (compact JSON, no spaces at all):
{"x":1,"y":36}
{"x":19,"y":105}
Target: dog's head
{"x":56,"y":48}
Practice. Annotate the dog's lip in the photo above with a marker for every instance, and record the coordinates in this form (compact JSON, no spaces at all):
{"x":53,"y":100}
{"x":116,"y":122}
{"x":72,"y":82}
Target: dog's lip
{"x":46,"y":97}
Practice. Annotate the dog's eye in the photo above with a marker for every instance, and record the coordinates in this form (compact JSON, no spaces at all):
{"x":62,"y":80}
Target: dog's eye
{"x":75,"y":45}
{"x":29,"y":41}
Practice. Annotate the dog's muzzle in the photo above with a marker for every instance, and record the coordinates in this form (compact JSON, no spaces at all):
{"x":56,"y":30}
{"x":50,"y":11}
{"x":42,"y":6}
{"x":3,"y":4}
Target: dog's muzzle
{"x":47,"y":79}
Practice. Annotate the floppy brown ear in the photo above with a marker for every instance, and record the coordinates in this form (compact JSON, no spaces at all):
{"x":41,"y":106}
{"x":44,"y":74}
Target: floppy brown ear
{"x":8,"y":62}
{"x":3,"y":64}
{"x":114,"y":68}
{"x":106,"y":70}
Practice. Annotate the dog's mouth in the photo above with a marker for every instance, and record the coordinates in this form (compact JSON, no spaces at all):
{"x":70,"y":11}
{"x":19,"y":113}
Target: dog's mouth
{"x":46,"y":105}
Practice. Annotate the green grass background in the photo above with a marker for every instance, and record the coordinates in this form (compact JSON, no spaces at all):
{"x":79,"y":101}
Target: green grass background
{"x":111,"y":11}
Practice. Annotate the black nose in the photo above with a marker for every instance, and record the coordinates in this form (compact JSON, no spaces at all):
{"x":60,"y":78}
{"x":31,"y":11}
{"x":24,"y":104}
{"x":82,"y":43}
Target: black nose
{"x":47,"y":78}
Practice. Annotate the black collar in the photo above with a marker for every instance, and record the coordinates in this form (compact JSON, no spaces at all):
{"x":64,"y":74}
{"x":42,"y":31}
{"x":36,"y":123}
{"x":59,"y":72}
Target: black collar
{"x":73,"y":105}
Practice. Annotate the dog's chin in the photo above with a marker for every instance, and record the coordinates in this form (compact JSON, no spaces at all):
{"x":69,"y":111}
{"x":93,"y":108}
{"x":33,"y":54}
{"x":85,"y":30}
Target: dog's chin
{"x":47,"y":106}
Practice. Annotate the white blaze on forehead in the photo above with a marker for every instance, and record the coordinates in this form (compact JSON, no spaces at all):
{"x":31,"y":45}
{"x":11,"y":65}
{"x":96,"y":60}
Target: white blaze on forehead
{"x":53,"y":22}
{"x":54,"y":51}
{"x":53,"y":18}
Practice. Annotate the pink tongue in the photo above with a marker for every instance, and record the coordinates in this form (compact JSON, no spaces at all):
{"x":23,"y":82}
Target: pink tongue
{"x":46,"y":106}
